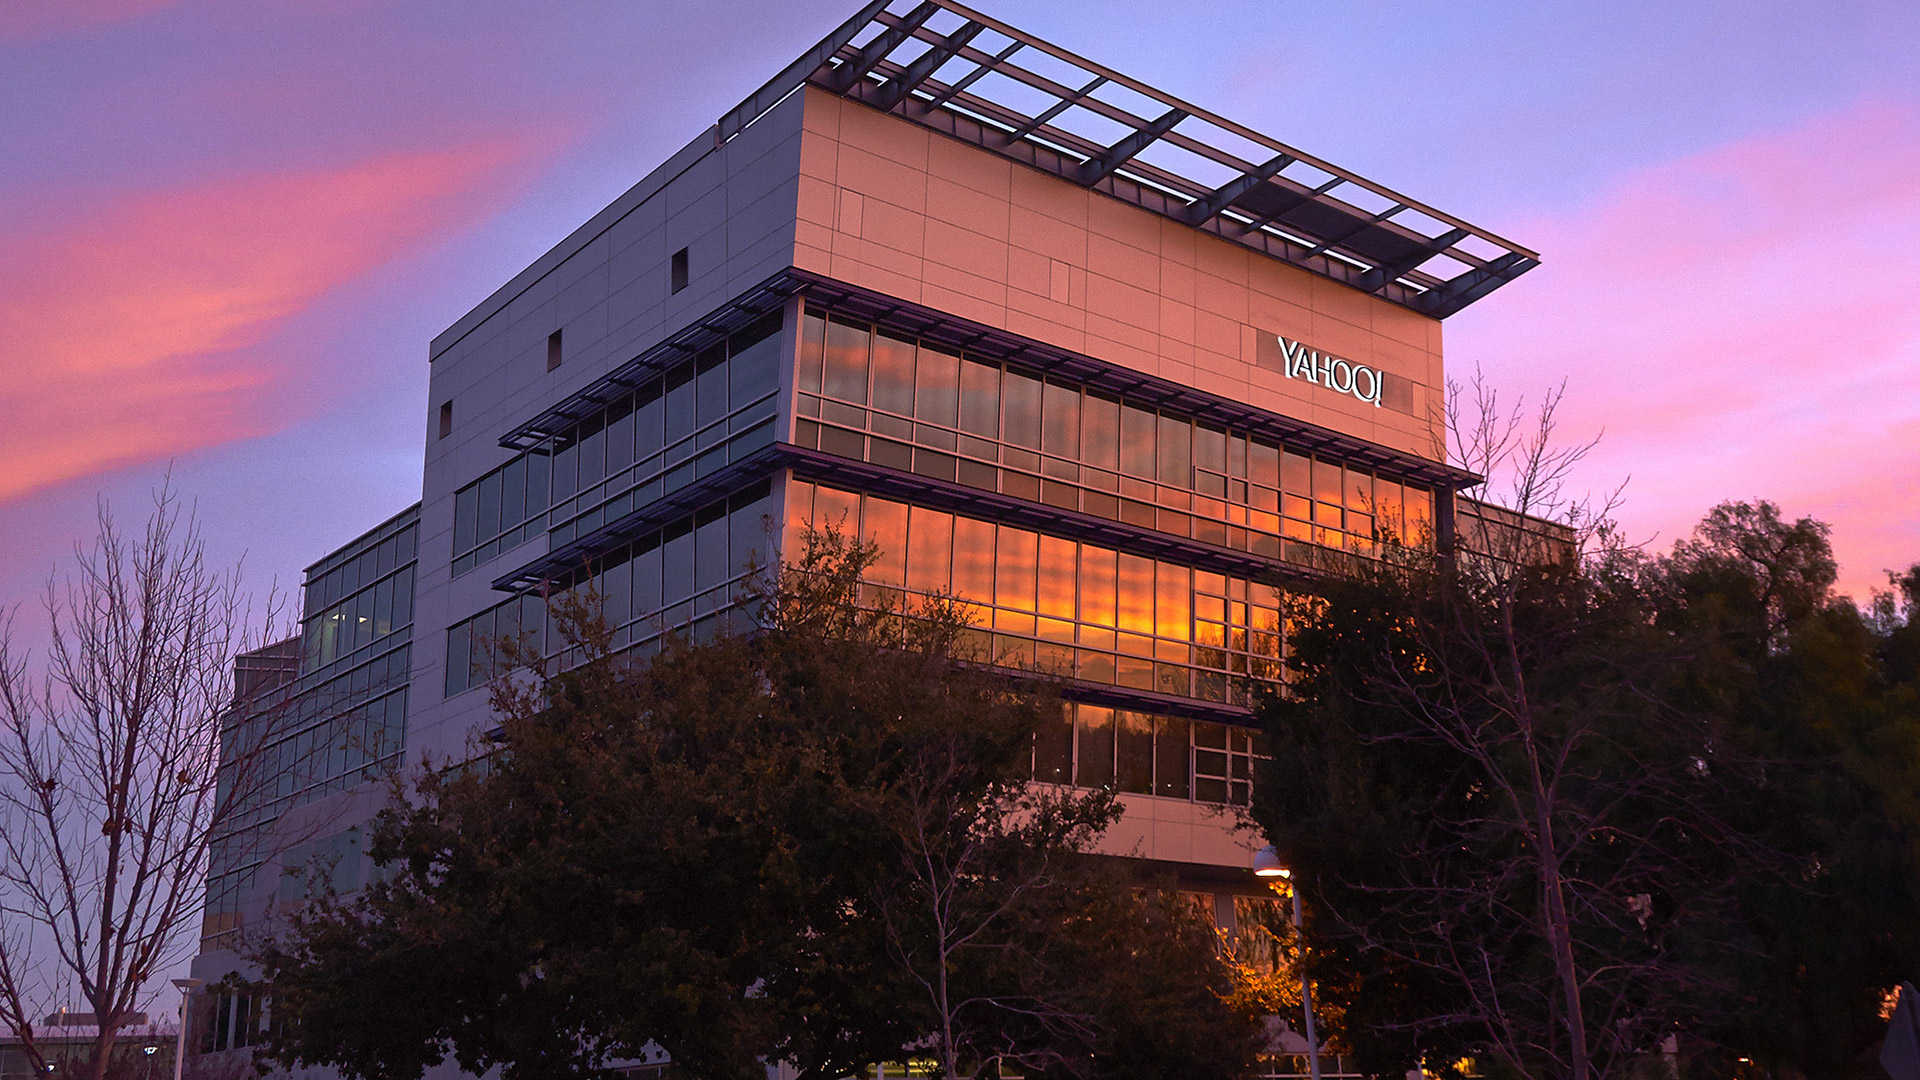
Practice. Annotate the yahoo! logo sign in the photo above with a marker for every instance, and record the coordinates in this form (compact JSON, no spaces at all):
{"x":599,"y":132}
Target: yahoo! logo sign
{"x":1323,"y":369}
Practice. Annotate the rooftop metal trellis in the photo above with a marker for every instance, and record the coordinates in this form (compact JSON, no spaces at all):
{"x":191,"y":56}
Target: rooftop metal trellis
{"x":947,"y":67}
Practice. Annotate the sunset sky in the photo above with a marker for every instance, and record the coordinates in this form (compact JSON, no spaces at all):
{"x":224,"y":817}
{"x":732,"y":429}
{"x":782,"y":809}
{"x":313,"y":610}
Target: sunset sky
{"x":229,"y":229}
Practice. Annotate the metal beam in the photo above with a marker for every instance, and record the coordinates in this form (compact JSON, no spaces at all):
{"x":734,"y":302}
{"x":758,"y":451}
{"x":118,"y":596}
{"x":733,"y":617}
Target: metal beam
{"x":848,"y":75}
{"x":1372,"y":280}
{"x":1119,"y":153}
{"x":1376,"y":219}
{"x":1056,"y":109}
{"x":898,"y":87}
{"x":1011,"y":119}
{"x":1199,"y":146}
{"x":1202,"y":209}
{"x":997,"y":118}
{"x":794,"y":74}
{"x":1472,"y":285}
{"x":1256,"y":224}
{"x":991,"y":63}
{"x":1241,"y":130}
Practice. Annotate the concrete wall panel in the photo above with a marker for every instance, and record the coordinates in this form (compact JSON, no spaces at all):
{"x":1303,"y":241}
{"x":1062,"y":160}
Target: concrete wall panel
{"x":1018,"y":249}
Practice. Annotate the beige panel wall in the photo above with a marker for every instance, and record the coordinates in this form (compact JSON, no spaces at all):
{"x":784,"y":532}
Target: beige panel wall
{"x":891,"y":206}
{"x":1175,"y":830}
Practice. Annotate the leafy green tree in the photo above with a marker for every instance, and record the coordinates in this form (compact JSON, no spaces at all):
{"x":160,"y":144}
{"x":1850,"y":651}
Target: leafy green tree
{"x":1515,"y":845}
{"x":1826,"y":695}
{"x":1553,"y":813}
{"x":815,"y":843}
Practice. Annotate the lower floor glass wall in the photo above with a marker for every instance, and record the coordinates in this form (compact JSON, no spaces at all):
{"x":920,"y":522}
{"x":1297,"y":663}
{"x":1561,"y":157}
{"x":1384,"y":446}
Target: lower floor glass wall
{"x":342,"y":731}
{"x":1093,"y":746}
{"x":1065,"y":607}
{"x":1038,"y":603}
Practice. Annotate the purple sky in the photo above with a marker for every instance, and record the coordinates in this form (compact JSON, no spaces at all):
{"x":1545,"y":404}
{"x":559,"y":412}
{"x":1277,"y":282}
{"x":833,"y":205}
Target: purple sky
{"x":229,"y":229}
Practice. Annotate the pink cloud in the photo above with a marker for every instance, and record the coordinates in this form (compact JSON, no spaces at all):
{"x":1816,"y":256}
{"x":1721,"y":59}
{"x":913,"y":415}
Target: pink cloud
{"x":133,"y":333}
{"x":1741,"y":323}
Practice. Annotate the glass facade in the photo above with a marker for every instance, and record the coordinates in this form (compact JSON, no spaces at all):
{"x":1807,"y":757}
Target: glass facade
{"x":683,"y":576}
{"x":366,"y":617}
{"x":1150,"y":627}
{"x":230,"y":1021}
{"x":685,"y":424}
{"x":1147,"y":754}
{"x":868,"y":394}
{"x":1066,"y":607}
{"x":500,"y":511}
{"x":341,"y":721}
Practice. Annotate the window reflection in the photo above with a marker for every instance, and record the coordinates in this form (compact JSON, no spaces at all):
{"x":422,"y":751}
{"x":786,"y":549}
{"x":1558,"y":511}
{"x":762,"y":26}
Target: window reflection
{"x":1094,"y":746}
{"x":915,"y":408}
{"x":671,"y":430}
{"x":1056,"y":572}
{"x":680,"y":577}
{"x":972,"y":551}
{"x":376,"y":611}
{"x":1079,"y":609}
{"x":1097,"y":584}
{"x":980,"y":399}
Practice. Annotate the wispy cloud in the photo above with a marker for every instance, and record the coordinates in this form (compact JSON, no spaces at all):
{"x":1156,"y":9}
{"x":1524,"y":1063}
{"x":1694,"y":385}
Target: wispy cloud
{"x":1742,"y":325}
{"x":133,"y":331}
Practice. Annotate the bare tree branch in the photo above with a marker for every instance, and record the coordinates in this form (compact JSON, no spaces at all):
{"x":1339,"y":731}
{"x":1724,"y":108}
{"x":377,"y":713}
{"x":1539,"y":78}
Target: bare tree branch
{"x":112,"y":780}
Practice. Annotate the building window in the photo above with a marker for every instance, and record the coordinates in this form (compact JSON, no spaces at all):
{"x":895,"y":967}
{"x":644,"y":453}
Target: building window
{"x":446,"y":419}
{"x":1091,"y":746}
{"x":361,"y":569}
{"x":870,"y":395}
{"x":697,"y":418}
{"x":1039,"y":602}
{"x":230,"y":1021}
{"x":359,"y":620}
{"x":677,"y":274}
{"x":682,"y":577}
{"x":500,"y":511}
{"x":330,"y":864}
{"x":553,"y":350}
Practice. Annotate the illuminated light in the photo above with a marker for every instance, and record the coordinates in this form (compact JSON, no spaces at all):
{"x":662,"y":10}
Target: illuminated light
{"x":1266,"y":864}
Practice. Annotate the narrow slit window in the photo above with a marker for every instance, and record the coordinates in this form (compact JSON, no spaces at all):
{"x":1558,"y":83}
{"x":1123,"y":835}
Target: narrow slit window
{"x":553,"y":350}
{"x":446,"y":419}
{"x":677,"y":274}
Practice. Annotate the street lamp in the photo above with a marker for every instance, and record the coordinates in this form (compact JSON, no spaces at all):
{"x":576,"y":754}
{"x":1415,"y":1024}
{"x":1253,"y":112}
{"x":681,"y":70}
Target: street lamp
{"x":186,"y":988}
{"x":1266,"y":864}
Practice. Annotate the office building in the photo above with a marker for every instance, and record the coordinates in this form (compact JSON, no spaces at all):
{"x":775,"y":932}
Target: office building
{"x":1116,"y":370}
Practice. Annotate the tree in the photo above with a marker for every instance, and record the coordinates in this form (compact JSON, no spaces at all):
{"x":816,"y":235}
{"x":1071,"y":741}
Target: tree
{"x":1708,"y":757}
{"x":111,"y":782}
{"x":1521,"y":845}
{"x":1826,"y":695}
{"x":813,"y":840}
{"x":1521,"y":850}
